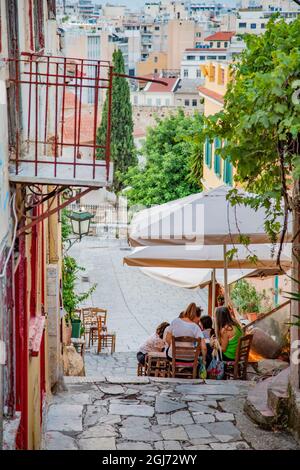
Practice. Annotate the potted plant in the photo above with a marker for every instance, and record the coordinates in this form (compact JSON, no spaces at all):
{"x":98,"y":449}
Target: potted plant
{"x":71,"y":299}
{"x":246,"y":299}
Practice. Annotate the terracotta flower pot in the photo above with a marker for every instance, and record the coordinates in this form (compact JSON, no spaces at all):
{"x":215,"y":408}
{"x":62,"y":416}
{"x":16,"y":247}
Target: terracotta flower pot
{"x":251,"y":316}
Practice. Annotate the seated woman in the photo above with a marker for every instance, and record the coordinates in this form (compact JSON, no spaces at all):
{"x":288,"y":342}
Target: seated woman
{"x":228,"y":331}
{"x":206,"y":325}
{"x":186,"y":325}
{"x":155,"y":343}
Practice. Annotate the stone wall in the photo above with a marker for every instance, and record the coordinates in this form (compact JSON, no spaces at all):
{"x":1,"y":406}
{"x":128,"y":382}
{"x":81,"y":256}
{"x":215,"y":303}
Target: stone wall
{"x":54,"y":325}
{"x":145,"y":116}
{"x":294,"y":412}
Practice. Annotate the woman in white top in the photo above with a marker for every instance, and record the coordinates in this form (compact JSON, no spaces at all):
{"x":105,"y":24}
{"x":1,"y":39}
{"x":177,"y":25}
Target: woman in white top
{"x":155,"y":343}
{"x":187,"y":325}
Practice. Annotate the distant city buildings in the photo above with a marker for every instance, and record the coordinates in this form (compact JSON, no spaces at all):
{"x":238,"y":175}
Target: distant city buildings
{"x":173,"y":39}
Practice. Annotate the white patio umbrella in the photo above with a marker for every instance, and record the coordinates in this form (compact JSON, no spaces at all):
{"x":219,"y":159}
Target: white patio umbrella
{"x":206,"y":257}
{"x":205,"y":218}
{"x":195,"y":278}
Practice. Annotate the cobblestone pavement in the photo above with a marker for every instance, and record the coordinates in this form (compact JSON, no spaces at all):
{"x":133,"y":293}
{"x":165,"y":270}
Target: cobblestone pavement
{"x":136,"y":304}
{"x":132,"y":413}
{"x":111,"y":408}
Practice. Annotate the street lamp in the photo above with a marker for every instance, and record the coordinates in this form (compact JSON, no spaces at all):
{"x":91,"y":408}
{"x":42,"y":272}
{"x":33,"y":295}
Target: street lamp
{"x":80,"y":222}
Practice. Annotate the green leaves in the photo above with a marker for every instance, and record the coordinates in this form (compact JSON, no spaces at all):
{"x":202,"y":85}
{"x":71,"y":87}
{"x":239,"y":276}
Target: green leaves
{"x":173,"y":154}
{"x":72,"y":299}
{"x":260,"y":122}
{"x":245,"y":297}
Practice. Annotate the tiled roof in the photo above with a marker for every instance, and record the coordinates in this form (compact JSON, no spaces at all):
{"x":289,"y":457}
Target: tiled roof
{"x":221,"y":36}
{"x":158,"y":88}
{"x":211,"y":94}
{"x":70,"y":100}
{"x":86,"y":128}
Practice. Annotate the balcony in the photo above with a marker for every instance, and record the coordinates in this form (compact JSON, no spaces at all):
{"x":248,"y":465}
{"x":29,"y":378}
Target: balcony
{"x":56,"y":103}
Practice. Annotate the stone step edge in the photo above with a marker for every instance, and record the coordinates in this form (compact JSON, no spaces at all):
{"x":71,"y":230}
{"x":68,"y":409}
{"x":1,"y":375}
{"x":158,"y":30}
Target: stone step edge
{"x":146,"y":380}
{"x":278,"y":393}
{"x":267,"y":401}
{"x":264,"y":417}
{"x":277,"y":401}
{"x":127,"y":380}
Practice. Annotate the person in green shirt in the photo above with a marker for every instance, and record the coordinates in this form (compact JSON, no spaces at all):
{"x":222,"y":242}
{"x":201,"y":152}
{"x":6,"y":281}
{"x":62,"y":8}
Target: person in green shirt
{"x":228,"y":332}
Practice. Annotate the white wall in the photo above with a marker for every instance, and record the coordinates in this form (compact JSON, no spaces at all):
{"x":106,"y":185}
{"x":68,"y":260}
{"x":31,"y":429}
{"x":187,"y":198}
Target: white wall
{"x":141,"y":98}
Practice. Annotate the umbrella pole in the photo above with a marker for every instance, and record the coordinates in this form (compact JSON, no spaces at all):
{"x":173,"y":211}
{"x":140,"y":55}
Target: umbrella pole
{"x":226,"y":276}
{"x":213,"y":301}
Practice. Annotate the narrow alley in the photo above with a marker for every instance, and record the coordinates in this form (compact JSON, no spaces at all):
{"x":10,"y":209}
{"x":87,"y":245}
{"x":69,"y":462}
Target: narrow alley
{"x":112,"y":408}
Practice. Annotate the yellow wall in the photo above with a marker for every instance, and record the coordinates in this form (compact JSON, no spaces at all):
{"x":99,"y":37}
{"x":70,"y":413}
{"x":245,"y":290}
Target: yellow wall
{"x":51,"y":239}
{"x":213,"y":76}
{"x":148,"y":66}
{"x":217,"y":76}
{"x":34,"y":404}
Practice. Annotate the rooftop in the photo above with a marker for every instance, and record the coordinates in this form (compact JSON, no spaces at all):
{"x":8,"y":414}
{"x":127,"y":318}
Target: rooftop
{"x":211,"y":94}
{"x":158,"y":88}
{"x":189,"y":85}
{"x":221,"y":36}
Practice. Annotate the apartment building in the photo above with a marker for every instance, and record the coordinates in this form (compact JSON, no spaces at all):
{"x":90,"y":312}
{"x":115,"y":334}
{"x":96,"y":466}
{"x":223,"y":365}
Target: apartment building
{"x":182,"y":34}
{"x":255,"y":21}
{"x":216,"y":171}
{"x":177,"y":94}
{"x":193,"y":58}
{"x":156,"y":63}
{"x":85,"y":8}
{"x":215,"y":47}
{"x":187,"y":95}
{"x":155,"y":94}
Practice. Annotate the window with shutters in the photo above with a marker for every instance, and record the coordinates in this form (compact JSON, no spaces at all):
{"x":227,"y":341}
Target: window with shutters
{"x":228,"y":172}
{"x":217,"y":157}
{"x":208,"y":153}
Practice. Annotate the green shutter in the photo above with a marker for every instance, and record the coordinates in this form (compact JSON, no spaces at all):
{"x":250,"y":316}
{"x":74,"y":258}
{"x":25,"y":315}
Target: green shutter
{"x":217,"y":160}
{"x":208,"y":153}
{"x":228,"y":173}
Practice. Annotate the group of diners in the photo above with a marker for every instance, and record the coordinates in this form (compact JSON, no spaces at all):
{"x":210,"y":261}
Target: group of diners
{"x":222,"y":333}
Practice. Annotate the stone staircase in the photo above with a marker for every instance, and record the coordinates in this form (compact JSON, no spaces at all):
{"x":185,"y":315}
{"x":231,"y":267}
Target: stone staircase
{"x":267,"y":402}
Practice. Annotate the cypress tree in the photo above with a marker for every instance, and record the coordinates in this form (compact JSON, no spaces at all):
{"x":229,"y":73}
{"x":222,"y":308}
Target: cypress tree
{"x":123,"y":152}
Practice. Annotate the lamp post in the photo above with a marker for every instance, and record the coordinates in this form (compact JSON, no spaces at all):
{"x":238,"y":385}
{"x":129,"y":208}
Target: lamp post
{"x":80,"y":222}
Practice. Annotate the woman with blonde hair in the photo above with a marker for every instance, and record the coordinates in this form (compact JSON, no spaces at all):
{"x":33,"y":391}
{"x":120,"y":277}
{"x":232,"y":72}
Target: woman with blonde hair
{"x":187,"y":325}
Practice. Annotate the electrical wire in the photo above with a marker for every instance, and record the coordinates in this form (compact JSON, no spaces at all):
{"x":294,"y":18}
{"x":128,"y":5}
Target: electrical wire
{"x":13,"y":202}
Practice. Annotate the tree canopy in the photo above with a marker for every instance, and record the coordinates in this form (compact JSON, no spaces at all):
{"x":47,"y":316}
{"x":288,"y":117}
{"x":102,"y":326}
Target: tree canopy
{"x":173,"y":152}
{"x":260,"y":121}
{"x":123,"y":152}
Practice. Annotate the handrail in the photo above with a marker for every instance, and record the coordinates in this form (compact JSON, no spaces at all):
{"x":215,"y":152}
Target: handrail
{"x":265,"y":315}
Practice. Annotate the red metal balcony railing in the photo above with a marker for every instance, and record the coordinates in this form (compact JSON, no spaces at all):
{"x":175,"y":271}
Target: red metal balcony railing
{"x":59,"y":101}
